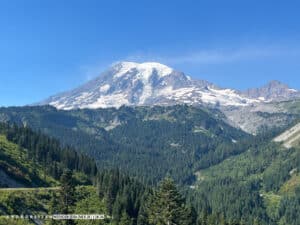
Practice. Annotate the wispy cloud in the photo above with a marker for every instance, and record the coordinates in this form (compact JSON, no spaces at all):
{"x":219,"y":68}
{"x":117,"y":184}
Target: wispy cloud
{"x":199,"y":57}
{"x":218,"y":56}
{"x":91,"y":71}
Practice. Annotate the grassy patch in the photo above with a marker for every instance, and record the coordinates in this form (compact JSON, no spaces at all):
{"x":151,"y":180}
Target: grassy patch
{"x":290,"y":186}
{"x":272,"y":202}
{"x":14,"y":161}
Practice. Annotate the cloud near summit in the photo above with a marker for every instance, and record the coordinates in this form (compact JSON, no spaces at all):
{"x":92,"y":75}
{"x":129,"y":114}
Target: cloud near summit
{"x":217,"y":56}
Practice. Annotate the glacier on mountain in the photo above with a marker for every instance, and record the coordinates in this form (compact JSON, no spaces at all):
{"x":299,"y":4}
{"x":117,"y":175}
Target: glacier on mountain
{"x":152,"y":83}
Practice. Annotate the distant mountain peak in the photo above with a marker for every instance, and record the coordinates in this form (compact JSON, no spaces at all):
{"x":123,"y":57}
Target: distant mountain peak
{"x":276,"y":84}
{"x":273,"y":91}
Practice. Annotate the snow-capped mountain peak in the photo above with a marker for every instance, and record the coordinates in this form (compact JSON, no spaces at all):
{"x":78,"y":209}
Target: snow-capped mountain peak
{"x":141,"y":74}
{"x":149,"y":83}
{"x":145,"y":69}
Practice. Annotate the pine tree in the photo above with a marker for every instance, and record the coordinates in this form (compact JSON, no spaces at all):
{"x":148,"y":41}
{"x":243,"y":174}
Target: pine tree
{"x":142,"y":216}
{"x":67,"y":194}
{"x":53,"y":208}
{"x":167,"y":207}
{"x":125,"y":219}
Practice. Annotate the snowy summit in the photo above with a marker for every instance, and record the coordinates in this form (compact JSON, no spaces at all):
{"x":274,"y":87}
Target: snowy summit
{"x":149,"y":83}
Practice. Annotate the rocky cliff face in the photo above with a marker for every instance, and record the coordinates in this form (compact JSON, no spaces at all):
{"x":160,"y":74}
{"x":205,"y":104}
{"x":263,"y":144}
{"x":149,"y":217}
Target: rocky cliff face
{"x":273,"y":91}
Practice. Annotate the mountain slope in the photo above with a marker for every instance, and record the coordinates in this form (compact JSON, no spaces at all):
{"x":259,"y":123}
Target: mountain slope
{"x":129,"y":83}
{"x":271,"y":171}
{"x":54,"y":174}
{"x":264,"y":116}
{"x":291,"y":137}
{"x":30,"y":159}
{"x":16,"y":170}
{"x":148,"y":142}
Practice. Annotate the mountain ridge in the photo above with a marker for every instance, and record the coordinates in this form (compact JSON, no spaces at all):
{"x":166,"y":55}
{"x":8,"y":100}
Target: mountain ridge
{"x":152,"y":83}
{"x":273,"y":91}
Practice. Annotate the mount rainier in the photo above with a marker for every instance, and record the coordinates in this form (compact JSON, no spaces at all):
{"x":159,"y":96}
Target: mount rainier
{"x":151,"y":83}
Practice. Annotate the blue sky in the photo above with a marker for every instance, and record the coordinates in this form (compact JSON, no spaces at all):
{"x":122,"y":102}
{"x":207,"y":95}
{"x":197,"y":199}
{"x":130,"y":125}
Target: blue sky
{"x":51,"y":46}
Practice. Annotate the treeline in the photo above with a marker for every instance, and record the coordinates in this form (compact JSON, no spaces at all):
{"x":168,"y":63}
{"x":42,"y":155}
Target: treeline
{"x":228,"y":199}
{"x":129,"y":202}
{"x":48,"y":152}
{"x":123,"y":195}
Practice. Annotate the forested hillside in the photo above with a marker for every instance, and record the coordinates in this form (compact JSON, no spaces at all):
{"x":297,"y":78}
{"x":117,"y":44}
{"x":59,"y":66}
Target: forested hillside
{"x":261,"y":184}
{"x":147,"y":142}
{"x":33,"y":159}
{"x":62,"y":179}
{"x":227,"y":176}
